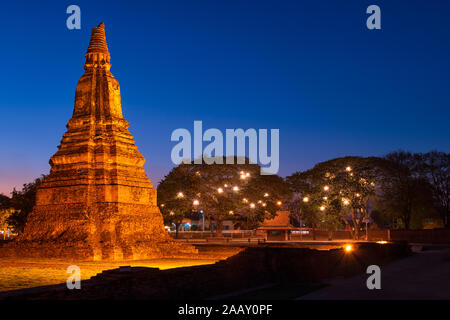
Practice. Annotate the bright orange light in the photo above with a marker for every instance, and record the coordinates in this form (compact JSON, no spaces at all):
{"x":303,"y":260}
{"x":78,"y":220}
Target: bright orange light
{"x":348,"y":169}
{"x":326,"y":188}
{"x":220,"y":190}
{"x":235,"y":188}
{"x":305,"y":199}
{"x":266,"y":194}
{"x":348,"y":248}
{"x":322,"y":208}
{"x":382,"y":242}
{"x":252,"y":205}
{"x":180,"y":194}
{"x":279,"y":203}
{"x":195,"y":202}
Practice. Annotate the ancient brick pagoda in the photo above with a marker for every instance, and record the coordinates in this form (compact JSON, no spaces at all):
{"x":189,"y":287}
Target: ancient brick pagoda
{"x":97,"y":203}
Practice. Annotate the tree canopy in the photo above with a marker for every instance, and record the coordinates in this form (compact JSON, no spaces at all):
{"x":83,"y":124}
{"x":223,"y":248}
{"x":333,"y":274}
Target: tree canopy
{"x":223,"y":192}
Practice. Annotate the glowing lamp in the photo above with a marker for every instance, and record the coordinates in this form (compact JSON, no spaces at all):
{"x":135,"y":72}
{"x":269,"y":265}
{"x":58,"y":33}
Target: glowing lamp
{"x":348,"y":248}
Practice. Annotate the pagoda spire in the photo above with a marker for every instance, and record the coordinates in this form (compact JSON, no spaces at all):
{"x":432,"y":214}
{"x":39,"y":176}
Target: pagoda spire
{"x":97,"y":55}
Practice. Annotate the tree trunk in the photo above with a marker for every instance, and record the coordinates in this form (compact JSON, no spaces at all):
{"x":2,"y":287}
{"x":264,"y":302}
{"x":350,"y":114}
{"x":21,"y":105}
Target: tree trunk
{"x":356,"y":226}
{"x":219,"y":224}
{"x":406,"y":219}
{"x":176,"y":230}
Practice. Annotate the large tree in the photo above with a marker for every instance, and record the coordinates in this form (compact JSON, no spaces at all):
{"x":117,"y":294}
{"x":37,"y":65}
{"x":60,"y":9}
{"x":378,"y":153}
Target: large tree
{"x":435,"y":168}
{"x":5,"y":213}
{"x":175,"y":195}
{"x":405,"y":192}
{"x":223,"y":191}
{"x":337,"y":192}
{"x":23,"y":202}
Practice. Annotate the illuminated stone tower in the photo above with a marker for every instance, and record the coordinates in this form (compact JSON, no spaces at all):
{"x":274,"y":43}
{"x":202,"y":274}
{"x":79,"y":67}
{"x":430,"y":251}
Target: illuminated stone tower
{"x":97,"y":202}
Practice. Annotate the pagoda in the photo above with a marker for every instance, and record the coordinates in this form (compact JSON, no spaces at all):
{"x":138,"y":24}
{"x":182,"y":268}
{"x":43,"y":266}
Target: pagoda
{"x":97,"y":203}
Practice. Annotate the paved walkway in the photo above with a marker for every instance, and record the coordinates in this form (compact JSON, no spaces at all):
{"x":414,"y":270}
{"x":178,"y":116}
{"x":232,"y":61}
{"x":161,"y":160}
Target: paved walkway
{"x":425,"y":275}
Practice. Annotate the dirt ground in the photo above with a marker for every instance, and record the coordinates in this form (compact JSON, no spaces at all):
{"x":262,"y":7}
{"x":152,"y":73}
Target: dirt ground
{"x":27,"y":273}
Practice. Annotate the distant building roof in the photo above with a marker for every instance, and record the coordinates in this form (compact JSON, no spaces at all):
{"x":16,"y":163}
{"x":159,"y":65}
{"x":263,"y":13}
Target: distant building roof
{"x":280,"y":221}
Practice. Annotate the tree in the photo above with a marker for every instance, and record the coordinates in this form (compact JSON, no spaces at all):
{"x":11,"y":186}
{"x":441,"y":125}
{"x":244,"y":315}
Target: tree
{"x":404,"y":192}
{"x":435,"y":168}
{"x":269,"y":193}
{"x":337,"y":192}
{"x":5,"y":213}
{"x":223,"y":192}
{"x":23,"y":202}
{"x":175,"y":195}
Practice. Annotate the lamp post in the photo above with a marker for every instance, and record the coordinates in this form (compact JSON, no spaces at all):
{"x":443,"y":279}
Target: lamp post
{"x":203,"y":220}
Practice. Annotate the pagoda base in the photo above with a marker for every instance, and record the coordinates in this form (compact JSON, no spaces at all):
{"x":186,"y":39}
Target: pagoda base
{"x":106,"y":231}
{"x":84,"y":252}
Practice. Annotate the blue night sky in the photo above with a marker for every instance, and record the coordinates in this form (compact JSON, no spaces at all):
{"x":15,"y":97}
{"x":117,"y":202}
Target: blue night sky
{"x":310,"y":68}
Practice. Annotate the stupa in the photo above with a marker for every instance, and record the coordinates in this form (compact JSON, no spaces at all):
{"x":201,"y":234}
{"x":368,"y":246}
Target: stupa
{"x":97,"y":203}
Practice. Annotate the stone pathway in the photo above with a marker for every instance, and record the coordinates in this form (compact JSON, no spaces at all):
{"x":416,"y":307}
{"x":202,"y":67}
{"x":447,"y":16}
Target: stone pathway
{"x":425,"y":275}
